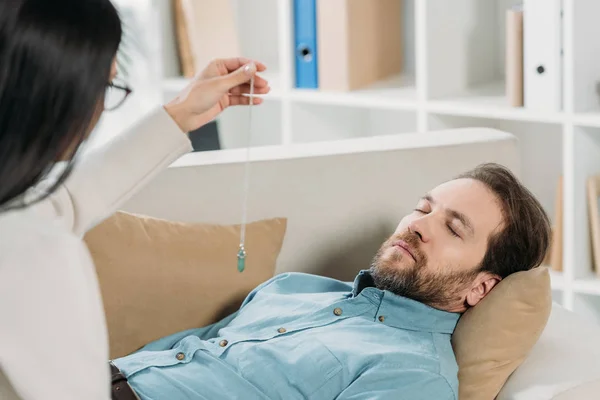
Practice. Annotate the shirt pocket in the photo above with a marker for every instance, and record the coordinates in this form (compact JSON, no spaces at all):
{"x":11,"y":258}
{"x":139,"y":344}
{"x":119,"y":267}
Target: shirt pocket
{"x":293,"y":368}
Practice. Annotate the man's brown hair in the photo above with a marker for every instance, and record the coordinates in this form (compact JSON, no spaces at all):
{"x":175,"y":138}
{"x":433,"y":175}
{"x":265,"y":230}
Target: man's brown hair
{"x":523,"y":241}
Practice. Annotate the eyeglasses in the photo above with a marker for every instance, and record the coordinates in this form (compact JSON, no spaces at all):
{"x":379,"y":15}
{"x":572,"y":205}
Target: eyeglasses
{"x":116,"y":94}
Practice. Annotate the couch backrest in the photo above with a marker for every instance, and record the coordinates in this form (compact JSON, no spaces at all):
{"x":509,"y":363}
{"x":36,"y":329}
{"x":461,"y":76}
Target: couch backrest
{"x":564,"y":363}
{"x":342,"y":199}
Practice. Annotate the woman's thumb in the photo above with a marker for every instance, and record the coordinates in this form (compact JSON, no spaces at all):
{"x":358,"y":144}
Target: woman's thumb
{"x":241,"y":75}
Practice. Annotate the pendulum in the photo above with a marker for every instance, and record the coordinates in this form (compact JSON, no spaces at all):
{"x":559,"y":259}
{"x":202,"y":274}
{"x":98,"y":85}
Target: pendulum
{"x":241,"y":255}
{"x":241,"y":264}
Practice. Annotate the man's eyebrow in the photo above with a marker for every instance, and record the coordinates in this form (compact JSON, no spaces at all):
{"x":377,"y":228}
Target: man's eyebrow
{"x":428,"y":198}
{"x":454,"y":214}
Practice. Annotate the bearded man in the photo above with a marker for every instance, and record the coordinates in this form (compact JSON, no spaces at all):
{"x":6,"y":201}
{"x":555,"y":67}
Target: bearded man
{"x":384,"y":336}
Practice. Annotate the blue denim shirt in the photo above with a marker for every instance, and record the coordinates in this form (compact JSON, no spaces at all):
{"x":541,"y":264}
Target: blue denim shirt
{"x":301,"y":336}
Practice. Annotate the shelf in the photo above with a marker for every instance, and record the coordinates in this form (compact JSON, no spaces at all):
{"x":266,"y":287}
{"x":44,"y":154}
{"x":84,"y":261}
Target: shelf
{"x":489,"y":101}
{"x":312,"y":122}
{"x":591,"y":119}
{"x":177,"y":84}
{"x":396,"y":93}
{"x":589,"y":286}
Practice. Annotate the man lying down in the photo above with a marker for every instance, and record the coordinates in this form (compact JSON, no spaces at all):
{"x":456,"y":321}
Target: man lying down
{"x":384,"y":336}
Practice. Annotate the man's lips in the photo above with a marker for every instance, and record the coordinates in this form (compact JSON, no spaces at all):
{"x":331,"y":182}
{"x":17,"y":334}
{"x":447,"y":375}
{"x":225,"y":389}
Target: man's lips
{"x":401,"y":244}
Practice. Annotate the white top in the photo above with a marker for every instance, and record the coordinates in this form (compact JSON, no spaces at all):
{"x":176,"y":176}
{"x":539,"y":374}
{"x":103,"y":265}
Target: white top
{"x":53,"y":335}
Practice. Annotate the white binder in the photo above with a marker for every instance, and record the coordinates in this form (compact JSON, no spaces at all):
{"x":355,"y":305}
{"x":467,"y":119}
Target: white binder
{"x":542,"y":58}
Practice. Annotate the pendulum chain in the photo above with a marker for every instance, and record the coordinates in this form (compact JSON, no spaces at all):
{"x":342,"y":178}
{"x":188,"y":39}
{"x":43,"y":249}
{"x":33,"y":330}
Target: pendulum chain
{"x":241,"y":263}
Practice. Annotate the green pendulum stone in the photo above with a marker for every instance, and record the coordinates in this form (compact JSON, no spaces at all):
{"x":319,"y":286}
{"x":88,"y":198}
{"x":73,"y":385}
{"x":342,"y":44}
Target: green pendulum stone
{"x":241,"y":264}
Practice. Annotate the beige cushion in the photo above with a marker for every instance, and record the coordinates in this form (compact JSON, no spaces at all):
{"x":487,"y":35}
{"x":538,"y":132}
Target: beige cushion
{"x":493,"y":338}
{"x":159,"y":277}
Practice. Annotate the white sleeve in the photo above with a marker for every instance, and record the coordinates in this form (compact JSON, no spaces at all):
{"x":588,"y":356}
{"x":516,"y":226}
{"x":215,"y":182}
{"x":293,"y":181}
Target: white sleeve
{"x":109,"y":176}
{"x":53,"y":342}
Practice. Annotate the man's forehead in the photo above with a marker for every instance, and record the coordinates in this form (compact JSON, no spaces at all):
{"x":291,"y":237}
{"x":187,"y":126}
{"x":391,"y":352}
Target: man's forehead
{"x":470,"y":197}
{"x":457,"y":189}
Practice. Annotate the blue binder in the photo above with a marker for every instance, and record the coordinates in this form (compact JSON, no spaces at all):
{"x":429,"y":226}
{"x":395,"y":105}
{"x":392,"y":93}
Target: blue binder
{"x":305,"y":41}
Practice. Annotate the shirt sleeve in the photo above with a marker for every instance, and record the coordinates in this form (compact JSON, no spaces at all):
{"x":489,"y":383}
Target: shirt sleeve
{"x":389,"y":383}
{"x":107,"y":177}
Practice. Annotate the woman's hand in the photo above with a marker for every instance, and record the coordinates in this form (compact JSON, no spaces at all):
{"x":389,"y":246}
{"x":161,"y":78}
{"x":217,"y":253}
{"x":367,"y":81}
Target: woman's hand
{"x":221,"y":84}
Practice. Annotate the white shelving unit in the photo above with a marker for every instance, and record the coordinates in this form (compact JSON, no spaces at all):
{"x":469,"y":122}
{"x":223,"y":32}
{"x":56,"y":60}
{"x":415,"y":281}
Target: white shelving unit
{"x":453,"y":77}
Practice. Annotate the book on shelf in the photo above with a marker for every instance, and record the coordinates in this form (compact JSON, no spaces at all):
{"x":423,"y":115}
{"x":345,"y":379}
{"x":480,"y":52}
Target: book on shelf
{"x":533,"y":55}
{"x":305,"y":44}
{"x":554,"y":256}
{"x":542,"y":56}
{"x":186,"y":59}
{"x":593,"y":202}
{"x":205,"y":30}
{"x":514,"y":56}
{"x":352,"y":44}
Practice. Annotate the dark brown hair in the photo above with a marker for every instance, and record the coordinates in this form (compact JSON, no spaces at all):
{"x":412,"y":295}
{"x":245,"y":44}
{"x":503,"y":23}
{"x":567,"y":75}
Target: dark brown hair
{"x":55,"y":59}
{"x":523,"y":242}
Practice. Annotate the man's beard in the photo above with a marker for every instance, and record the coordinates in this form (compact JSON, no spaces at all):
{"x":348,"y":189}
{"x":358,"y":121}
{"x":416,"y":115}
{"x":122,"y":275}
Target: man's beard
{"x":416,"y":282}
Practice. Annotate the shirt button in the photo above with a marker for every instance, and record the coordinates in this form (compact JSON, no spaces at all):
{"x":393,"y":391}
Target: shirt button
{"x":281,"y":330}
{"x":180,"y":356}
{"x":223,"y":343}
{"x":337,"y":311}
{"x":381,"y":318}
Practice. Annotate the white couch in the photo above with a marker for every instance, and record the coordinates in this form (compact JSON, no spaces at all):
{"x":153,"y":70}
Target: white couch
{"x":343,"y":198}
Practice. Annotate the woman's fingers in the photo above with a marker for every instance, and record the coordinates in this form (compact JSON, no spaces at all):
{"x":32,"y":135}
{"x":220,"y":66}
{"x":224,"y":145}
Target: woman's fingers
{"x":245,"y":89}
{"x":233,"y":64}
{"x":235,"y":100}
{"x":259,"y":83}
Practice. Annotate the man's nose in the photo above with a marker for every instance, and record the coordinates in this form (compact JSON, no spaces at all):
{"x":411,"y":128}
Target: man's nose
{"x":419,"y":228}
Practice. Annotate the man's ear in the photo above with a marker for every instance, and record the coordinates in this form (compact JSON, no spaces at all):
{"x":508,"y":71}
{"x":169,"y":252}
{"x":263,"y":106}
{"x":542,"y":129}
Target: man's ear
{"x":482,"y":285}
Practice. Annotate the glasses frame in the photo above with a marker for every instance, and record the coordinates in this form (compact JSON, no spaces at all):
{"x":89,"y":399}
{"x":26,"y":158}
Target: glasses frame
{"x":124,"y":87}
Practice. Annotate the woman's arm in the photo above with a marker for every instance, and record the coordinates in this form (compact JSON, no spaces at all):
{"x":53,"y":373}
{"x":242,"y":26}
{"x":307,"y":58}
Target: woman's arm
{"x":109,"y":176}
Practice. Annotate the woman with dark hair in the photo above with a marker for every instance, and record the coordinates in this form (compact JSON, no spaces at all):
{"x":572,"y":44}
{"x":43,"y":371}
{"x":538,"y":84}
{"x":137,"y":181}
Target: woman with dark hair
{"x":57,"y":76}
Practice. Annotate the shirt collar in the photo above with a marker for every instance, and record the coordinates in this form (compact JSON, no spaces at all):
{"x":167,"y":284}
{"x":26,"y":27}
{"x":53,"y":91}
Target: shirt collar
{"x":404,"y":313}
